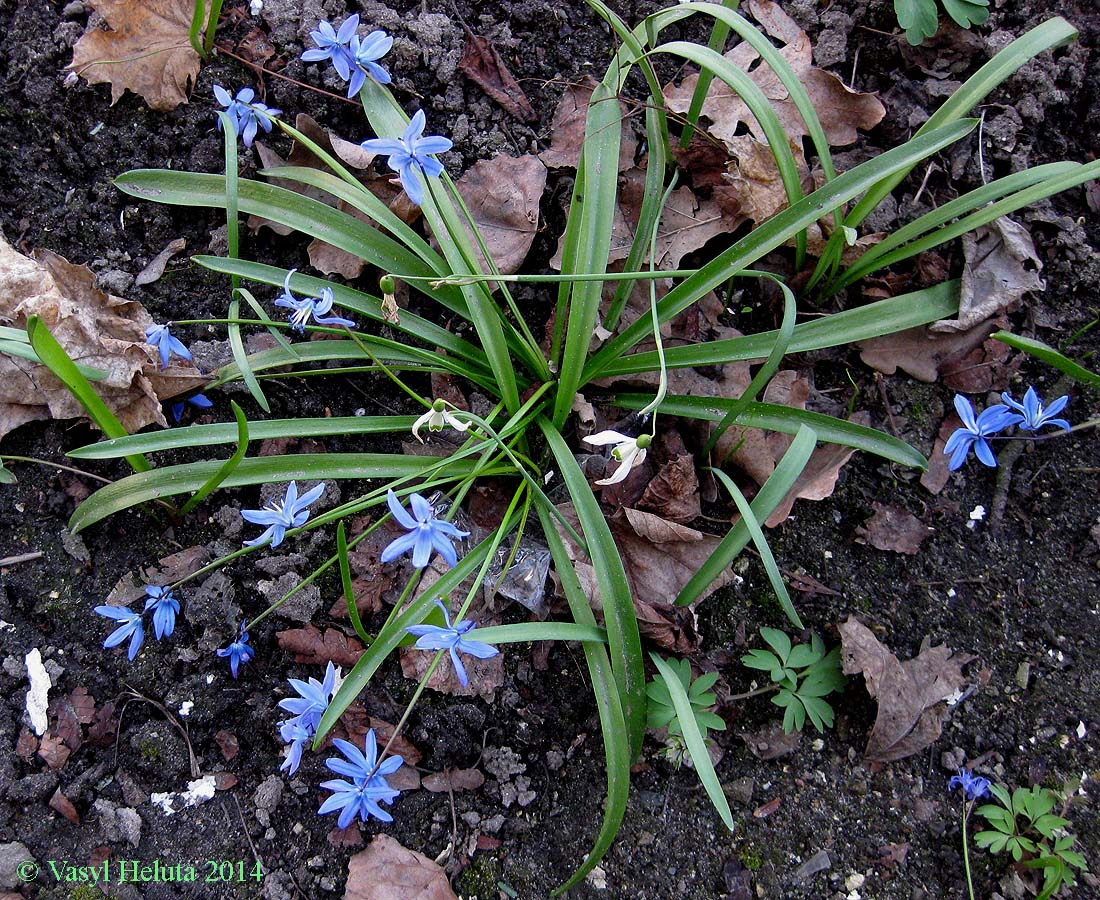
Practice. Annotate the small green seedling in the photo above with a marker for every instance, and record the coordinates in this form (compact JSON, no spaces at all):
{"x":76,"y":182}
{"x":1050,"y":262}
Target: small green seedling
{"x":804,"y":674}
{"x":920,"y":18}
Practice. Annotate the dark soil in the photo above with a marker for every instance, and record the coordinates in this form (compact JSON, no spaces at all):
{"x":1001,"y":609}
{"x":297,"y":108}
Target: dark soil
{"x":1023,"y":594}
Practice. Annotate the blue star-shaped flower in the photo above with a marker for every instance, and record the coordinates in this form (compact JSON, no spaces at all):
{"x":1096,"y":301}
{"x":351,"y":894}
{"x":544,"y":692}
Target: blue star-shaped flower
{"x":312,"y":701}
{"x":278,"y":516}
{"x":130,"y":627}
{"x":974,"y":786}
{"x":366,"y":52}
{"x":244,"y":110}
{"x":975,"y":431}
{"x":432,"y":637}
{"x":306,"y":308}
{"x":164,"y":605}
{"x":334,"y":45}
{"x":297,"y":737}
{"x":199,"y":401}
{"x":426,"y":533}
{"x":240,"y":651}
{"x":1034,"y":415}
{"x":411,"y":153}
{"x":368,"y":786}
{"x":160,"y":336}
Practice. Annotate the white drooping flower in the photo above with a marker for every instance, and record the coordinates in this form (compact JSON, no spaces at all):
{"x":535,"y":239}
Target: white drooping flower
{"x":437,"y":418}
{"x":630,"y":452}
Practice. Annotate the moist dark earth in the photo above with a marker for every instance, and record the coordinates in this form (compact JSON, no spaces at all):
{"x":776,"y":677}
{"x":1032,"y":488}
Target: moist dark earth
{"x":1021,"y":594}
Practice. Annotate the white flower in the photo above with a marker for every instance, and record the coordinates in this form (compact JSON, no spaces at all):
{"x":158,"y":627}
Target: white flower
{"x":630,"y":452}
{"x":437,"y":418}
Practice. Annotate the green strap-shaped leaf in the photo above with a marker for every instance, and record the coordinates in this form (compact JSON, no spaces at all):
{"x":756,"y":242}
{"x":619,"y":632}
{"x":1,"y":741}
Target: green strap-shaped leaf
{"x":242,"y":362}
{"x":696,"y":744}
{"x":616,"y":739}
{"x":1049,"y":355}
{"x":620,"y":620}
{"x":346,"y":584}
{"x":54,"y":357}
{"x":525,"y":632}
{"x":227,"y":467}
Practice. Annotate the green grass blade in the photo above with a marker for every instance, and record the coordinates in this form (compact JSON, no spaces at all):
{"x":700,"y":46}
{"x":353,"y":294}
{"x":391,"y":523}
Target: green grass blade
{"x":696,"y":744}
{"x":241,"y":359}
{"x":275,"y":330}
{"x":718,"y":36}
{"x":232,"y":191}
{"x":773,"y":233}
{"x":762,"y":547}
{"x":618,"y":606}
{"x":197,"y":18}
{"x":786,"y":420}
{"x":594,"y":202}
{"x":613,"y":726}
{"x":227,"y":467}
{"x":23,"y":350}
{"x":1052,"y":33}
{"x":183,"y":479}
{"x":764,"y":373}
{"x":345,"y":583}
{"x":212,"y":26}
{"x":524,"y":632}
{"x":223,"y":433}
{"x":1049,"y":355}
{"x":764,"y":503}
{"x":836,"y":330}
{"x":54,"y":357}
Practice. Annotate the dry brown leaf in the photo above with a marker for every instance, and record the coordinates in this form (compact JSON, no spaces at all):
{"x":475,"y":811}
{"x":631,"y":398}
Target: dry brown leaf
{"x":228,"y":744}
{"x":174,"y":567}
{"x":842,"y":111}
{"x":938,"y":473}
{"x":921,"y":352}
{"x":53,"y":751}
{"x":673,"y":493}
{"x":388,"y":871}
{"x":659,"y":557}
{"x":567,"y":129}
{"x":59,"y":803}
{"x":893,"y":528}
{"x":101,"y":733}
{"x":83,"y":705}
{"x":503,"y":196}
{"x":453,"y":780}
{"x":482,"y":64}
{"x":155,"y":268}
{"x":484,"y":675}
{"x":771,"y":741}
{"x":1001,"y":265}
{"x":309,"y":645}
{"x":96,"y":330}
{"x":147,"y":50}
{"x":910,"y":694}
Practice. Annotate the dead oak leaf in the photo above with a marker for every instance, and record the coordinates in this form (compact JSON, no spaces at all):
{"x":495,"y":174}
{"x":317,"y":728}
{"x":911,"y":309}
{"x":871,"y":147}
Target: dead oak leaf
{"x":97,"y":330}
{"x":921,"y":352}
{"x":453,"y":780}
{"x":567,"y":129}
{"x":893,"y":528}
{"x":482,"y":64}
{"x":146,"y":50}
{"x":388,"y":871}
{"x":310,"y":645}
{"x":910,"y":694}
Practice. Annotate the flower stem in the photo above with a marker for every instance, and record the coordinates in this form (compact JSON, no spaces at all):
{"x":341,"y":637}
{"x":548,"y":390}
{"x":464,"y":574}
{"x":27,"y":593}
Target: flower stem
{"x":966,"y":853}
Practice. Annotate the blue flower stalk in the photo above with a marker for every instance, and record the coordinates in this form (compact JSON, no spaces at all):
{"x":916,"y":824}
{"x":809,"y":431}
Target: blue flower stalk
{"x":426,"y":533}
{"x":238,"y":652}
{"x":367,"y":788}
{"x":307,"y":708}
{"x":976,"y":431}
{"x":161,"y":337}
{"x":305,"y":308}
{"x":411,"y":154}
{"x":454,"y":640}
{"x":130,"y":626}
{"x":245,"y":111}
{"x":973,"y":787}
{"x":162,"y":601}
{"x":291,"y":512}
{"x":353,"y":57}
{"x":1034,"y":415}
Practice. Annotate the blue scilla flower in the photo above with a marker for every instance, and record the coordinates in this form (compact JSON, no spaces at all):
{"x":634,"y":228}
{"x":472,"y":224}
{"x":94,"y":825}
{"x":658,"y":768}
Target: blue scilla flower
{"x":366,"y":52}
{"x":975,"y":431}
{"x":129,"y":627}
{"x":368,"y":786}
{"x":278,"y":516}
{"x":426,"y":533}
{"x":240,"y":651}
{"x":974,"y":786}
{"x":199,"y":401}
{"x":295,"y":734}
{"x":432,"y":637}
{"x":1034,"y":415}
{"x":161,"y":337}
{"x":306,"y":308}
{"x":312,"y":700}
{"x":334,"y":45}
{"x":411,"y":153}
{"x":244,"y":110}
{"x":164,"y":605}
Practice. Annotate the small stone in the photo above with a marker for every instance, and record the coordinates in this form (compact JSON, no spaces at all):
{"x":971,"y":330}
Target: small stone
{"x":11,"y":855}
{"x":555,"y":760}
{"x":73,"y":10}
{"x":493,"y":824}
{"x":854,"y":881}
{"x":33,"y":788}
{"x":741,"y":790}
{"x":1023,"y":675}
{"x":819,"y":862}
{"x":315,"y":862}
{"x":115,"y":281}
{"x":269,"y":794}
{"x":119,"y":823}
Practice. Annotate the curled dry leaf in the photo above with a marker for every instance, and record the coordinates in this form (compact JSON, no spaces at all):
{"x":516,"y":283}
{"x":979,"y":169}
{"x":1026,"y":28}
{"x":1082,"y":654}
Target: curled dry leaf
{"x":388,"y":871}
{"x":910,"y":694}
{"x":310,"y":645}
{"x":893,"y":528}
{"x":503,"y":195}
{"x":146,"y":49}
{"x":171,"y":568}
{"x":1001,"y":265}
{"x":155,"y":268}
{"x":453,"y":780}
{"x":922,"y":352}
{"x":842,"y":111}
{"x":567,"y":129}
{"x":61,"y":804}
{"x":482,"y":64}
{"x":97,"y":330}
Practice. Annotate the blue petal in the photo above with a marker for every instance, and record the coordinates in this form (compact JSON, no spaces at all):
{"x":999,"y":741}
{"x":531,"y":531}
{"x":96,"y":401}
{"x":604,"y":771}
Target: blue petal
{"x":436,"y":641}
{"x":260,"y":516}
{"x":398,"y":511}
{"x":398,"y":547}
{"x":966,"y":412}
{"x":421,"y":508}
{"x":445,"y":548}
{"x":377,"y":72}
{"x":317,"y":55}
{"x":460,"y":670}
{"x":984,"y":452}
{"x":477,"y":648}
{"x":422,"y":547}
{"x":358,"y":79}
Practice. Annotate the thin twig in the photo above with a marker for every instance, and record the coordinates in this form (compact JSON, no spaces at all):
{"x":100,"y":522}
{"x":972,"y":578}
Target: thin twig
{"x":25,"y":557}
